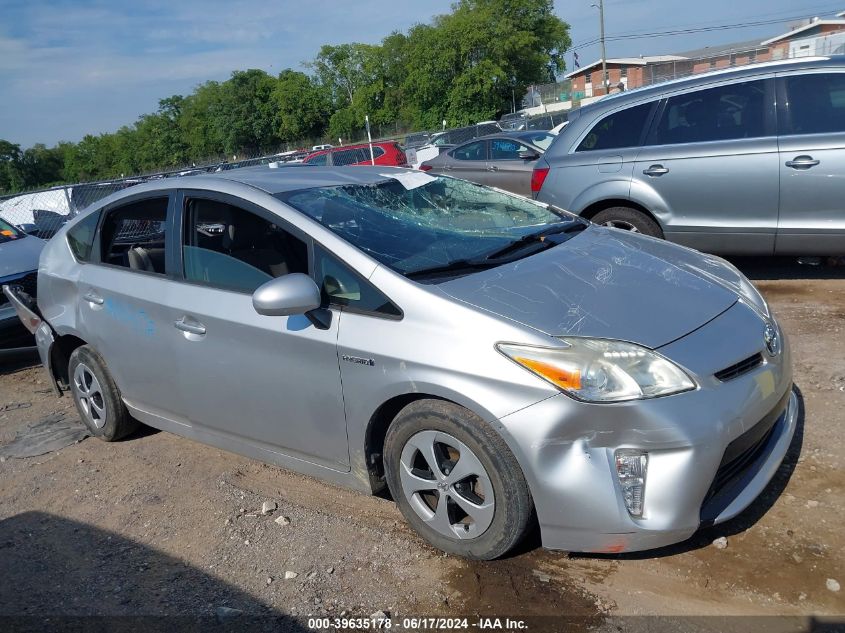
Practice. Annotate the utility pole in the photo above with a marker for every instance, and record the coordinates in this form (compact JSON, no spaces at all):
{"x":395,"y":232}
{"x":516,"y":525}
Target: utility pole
{"x":605,"y":81}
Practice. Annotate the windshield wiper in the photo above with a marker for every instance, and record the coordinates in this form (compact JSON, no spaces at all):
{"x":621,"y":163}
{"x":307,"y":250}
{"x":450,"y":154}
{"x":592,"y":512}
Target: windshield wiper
{"x":459,"y":265}
{"x":541,"y":236}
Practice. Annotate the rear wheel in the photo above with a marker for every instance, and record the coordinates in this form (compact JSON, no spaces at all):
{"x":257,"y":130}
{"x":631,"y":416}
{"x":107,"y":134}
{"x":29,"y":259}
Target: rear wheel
{"x":455,"y":480}
{"x":96,"y":396}
{"x":628,"y":219}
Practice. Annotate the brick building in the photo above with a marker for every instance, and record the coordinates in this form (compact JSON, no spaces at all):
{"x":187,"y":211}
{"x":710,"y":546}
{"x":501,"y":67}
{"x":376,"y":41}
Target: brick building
{"x":807,"y":38}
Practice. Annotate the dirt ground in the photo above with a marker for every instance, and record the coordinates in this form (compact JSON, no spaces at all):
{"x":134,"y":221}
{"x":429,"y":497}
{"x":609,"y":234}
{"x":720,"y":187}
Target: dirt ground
{"x":159,"y":525}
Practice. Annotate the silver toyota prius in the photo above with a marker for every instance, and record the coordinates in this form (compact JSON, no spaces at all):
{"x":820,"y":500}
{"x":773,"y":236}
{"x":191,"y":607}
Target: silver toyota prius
{"x":492,"y":360}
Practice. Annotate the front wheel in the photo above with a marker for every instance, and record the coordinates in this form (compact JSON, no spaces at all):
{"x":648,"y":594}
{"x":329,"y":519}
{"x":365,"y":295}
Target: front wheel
{"x":628,"y":219}
{"x":455,"y":480}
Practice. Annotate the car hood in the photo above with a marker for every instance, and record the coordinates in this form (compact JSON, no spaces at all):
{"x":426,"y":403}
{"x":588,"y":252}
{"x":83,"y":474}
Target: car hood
{"x":606,"y":283}
{"x":19,"y":256}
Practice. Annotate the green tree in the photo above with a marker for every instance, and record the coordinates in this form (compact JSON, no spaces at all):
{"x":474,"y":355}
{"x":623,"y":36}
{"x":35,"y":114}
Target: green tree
{"x":301,"y":106}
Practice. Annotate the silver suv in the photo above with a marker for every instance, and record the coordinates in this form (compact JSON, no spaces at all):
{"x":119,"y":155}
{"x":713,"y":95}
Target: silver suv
{"x":747,"y":160}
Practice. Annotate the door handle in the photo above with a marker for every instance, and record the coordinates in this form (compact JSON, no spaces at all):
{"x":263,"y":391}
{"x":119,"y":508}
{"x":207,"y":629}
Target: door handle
{"x":192,"y":328}
{"x":802,"y":162}
{"x":492,"y":168}
{"x":656,"y":170}
{"x":93,"y":297}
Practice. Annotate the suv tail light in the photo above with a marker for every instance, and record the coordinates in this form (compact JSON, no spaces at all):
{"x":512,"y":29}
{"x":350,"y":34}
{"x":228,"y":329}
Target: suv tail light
{"x":425,"y":167}
{"x":538,"y":177}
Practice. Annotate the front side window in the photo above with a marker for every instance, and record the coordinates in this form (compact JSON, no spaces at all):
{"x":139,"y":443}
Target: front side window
{"x":716,"y":114}
{"x":471,"y":151}
{"x":339,"y":285}
{"x":231,"y":248}
{"x":506,"y":149}
{"x":620,"y":129}
{"x":80,"y":238}
{"x":134,"y":236}
{"x":816,"y":104}
{"x":416,"y":222}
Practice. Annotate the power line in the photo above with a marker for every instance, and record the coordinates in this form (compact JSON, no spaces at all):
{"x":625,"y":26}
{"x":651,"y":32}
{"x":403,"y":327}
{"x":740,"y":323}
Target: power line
{"x":703,"y":29}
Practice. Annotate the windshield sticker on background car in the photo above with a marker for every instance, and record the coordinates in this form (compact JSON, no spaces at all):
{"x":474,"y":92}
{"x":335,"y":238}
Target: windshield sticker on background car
{"x":411,"y":180}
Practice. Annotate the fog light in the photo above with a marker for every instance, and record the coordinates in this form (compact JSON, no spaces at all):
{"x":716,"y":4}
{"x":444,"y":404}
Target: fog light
{"x":631,"y":467}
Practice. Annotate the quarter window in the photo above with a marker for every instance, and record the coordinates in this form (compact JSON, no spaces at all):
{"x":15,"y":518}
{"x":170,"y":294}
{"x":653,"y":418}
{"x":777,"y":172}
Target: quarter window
{"x":228,"y":247}
{"x":471,"y":151}
{"x":816,"y":104}
{"x":134,"y":236}
{"x":716,"y":114}
{"x":620,"y":129}
{"x":339,"y":285}
{"x":81,"y":237}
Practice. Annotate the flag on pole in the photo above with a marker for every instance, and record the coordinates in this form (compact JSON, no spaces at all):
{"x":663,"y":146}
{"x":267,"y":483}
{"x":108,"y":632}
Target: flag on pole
{"x":575,"y":57}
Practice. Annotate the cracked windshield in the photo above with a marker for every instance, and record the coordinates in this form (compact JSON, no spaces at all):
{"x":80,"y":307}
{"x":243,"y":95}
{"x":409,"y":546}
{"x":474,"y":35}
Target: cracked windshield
{"x":418,"y":223}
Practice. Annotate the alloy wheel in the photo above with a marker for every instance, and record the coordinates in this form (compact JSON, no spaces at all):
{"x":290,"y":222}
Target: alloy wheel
{"x":446,"y":485}
{"x":90,"y":395}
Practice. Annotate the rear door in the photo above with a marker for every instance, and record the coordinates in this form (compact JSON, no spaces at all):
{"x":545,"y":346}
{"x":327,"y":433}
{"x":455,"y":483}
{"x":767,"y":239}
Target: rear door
{"x":812,"y":163}
{"x":124,"y":292}
{"x":272,"y":382}
{"x":507,"y":169}
{"x":709,"y":169}
{"x":598,"y":164}
{"x":469,"y":162}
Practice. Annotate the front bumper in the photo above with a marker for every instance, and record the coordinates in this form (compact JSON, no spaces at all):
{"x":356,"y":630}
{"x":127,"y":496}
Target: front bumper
{"x":566,"y":448}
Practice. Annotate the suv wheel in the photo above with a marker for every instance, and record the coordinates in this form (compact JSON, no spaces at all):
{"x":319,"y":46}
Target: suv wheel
{"x":455,"y":480}
{"x":628,"y":219}
{"x":97,"y":397}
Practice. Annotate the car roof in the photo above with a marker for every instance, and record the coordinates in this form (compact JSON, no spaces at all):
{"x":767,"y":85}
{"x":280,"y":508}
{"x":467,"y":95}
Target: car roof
{"x":272,"y":180}
{"x":701,"y":79}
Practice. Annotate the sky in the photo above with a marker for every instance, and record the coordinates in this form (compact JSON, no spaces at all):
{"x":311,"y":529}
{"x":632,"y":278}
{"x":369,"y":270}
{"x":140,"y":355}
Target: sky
{"x":75,"y":67}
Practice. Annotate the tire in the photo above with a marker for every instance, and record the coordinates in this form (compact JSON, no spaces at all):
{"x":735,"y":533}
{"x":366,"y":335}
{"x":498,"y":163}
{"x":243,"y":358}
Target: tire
{"x":96,"y":396}
{"x":495,"y":490}
{"x":629,"y":219}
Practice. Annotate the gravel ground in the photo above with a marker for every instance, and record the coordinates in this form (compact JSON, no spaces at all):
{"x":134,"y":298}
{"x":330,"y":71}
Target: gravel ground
{"x":160,"y":525}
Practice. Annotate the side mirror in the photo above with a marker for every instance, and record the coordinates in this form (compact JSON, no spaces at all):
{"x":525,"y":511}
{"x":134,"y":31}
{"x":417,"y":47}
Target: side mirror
{"x":527,"y":154}
{"x":290,"y":294}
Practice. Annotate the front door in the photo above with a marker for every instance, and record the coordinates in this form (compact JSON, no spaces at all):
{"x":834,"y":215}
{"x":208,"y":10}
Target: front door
{"x":812,"y":164}
{"x":470,"y":162}
{"x":270,"y":381}
{"x":711,"y":165}
{"x":507,"y":169}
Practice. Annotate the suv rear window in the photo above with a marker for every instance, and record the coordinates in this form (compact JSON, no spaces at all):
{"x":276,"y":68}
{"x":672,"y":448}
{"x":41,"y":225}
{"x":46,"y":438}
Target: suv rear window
{"x":620,"y":129}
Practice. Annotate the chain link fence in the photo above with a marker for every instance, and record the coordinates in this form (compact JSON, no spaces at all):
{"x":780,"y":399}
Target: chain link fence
{"x":43,"y":212}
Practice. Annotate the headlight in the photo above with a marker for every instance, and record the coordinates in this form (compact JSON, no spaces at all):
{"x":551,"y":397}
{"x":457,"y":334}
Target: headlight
{"x":600,"y":370}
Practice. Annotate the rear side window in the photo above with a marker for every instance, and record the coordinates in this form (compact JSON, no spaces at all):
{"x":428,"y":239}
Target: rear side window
{"x":471,"y":151}
{"x":341,"y":286}
{"x":717,"y":114}
{"x":134,"y":235}
{"x":81,"y":237}
{"x":620,"y":129}
{"x":816,"y":104}
{"x":317,"y":160}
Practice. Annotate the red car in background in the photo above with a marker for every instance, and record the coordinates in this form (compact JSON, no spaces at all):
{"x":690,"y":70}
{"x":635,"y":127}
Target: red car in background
{"x":385,"y":153}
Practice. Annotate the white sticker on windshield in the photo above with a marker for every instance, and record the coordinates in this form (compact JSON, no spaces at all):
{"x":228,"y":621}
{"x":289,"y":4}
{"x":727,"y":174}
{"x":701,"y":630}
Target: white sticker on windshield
{"x":411,"y":179}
